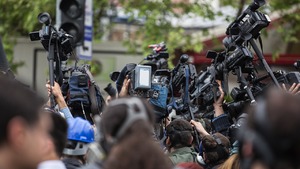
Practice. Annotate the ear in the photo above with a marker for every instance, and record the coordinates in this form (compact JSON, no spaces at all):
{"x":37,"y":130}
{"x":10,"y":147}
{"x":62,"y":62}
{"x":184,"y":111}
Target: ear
{"x":191,"y":140}
{"x":205,"y":158}
{"x":49,"y":146}
{"x":168,"y":141}
{"x":16,"y":133}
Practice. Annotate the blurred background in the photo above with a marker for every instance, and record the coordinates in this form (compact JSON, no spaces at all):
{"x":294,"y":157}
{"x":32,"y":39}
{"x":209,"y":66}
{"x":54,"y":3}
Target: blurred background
{"x":121,"y":31}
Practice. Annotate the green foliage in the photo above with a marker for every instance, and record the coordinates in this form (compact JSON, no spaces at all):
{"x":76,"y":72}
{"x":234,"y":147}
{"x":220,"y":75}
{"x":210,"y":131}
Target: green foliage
{"x":18,"y":18}
{"x":289,"y":10}
{"x":158,"y":27}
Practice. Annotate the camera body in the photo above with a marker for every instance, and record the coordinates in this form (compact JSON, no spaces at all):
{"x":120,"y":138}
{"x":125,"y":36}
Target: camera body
{"x":205,"y":90}
{"x":141,"y":82}
{"x":49,"y":35}
{"x":288,"y":78}
{"x":81,"y":93}
{"x":184,"y":75}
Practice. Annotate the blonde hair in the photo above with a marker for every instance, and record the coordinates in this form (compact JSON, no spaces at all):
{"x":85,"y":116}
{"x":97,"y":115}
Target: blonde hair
{"x":233,"y":162}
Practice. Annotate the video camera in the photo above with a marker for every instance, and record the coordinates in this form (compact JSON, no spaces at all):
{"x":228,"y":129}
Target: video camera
{"x":159,"y":55}
{"x":183,"y":75}
{"x":81,"y":92}
{"x":248,"y":25}
{"x":205,"y":90}
{"x":48,"y":34}
{"x":77,"y":83}
{"x":144,"y":76}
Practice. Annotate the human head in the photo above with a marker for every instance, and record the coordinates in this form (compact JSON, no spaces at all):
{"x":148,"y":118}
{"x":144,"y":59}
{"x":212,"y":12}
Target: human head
{"x":80,"y":134}
{"x":58,"y":132}
{"x":127,"y":132}
{"x":23,"y":128}
{"x":179,"y":134}
{"x":233,"y":162}
{"x":122,"y":113}
{"x":269,"y":138}
{"x":216,"y":148}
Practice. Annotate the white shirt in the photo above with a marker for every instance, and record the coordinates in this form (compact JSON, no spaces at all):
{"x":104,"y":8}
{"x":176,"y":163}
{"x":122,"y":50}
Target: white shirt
{"x":51,"y":164}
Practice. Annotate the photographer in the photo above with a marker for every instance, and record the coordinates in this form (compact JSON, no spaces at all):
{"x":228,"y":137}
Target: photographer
{"x":179,"y":142}
{"x":215,"y":147}
{"x":24,"y":129}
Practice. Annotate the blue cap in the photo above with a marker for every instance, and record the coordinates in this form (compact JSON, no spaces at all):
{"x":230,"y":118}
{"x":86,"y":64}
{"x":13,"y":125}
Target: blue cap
{"x":80,"y":130}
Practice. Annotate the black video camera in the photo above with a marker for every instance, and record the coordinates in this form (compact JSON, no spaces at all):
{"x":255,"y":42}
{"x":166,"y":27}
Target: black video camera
{"x":179,"y":76}
{"x":48,"y":34}
{"x":81,"y":92}
{"x":248,"y":25}
{"x":205,"y":90}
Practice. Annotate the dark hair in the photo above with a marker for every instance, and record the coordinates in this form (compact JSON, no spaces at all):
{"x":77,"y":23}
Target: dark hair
{"x":135,"y":149}
{"x":180,"y":133}
{"x":216,"y":148}
{"x":58,"y":132}
{"x":17,"y":100}
{"x":273,"y":126}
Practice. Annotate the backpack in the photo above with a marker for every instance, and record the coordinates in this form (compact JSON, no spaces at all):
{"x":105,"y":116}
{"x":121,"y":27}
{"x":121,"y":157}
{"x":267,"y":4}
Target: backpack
{"x":83,"y":92}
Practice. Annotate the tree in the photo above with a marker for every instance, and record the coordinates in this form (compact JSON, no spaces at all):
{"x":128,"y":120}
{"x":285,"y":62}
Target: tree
{"x":19,"y":17}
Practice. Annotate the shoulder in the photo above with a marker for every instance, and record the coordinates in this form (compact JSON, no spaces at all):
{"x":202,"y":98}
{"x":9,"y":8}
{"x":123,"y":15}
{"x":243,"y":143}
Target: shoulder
{"x":186,"y":154}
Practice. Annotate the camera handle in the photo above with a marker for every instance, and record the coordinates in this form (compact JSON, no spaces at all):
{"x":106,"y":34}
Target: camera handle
{"x":186,"y":100}
{"x":263,"y":61}
{"x":244,"y":83}
{"x":51,"y":57}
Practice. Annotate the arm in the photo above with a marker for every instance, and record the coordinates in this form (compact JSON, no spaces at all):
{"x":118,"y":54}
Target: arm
{"x":218,"y":104}
{"x":220,"y":122}
{"x":62,"y":105}
{"x":199,"y":128}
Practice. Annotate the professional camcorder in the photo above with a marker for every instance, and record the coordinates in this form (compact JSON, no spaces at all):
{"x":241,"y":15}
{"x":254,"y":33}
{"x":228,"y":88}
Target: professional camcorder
{"x":248,"y":25}
{"x":49,"y":35}
{"x":77,"y":83}
{"x":144,"y":76}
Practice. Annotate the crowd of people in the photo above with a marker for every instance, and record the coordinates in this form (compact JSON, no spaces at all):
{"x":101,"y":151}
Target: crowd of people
{"x":35,"y":136}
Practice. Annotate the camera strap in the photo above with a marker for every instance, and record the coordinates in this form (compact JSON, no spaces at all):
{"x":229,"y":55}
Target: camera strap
{"x":92,"y":93}
{"x":93,"y":99}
